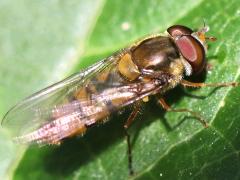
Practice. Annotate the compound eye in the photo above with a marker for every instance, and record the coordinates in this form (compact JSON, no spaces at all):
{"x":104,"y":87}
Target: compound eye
{"x":190,"y":48}
{"x":179,"y":30}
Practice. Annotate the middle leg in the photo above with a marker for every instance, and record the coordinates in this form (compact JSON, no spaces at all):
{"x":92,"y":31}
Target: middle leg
{"x":195,"y":114}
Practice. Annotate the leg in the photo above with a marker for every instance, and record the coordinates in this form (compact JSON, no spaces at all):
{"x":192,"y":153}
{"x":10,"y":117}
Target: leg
{"x":129,"y":153}
{"x":132,"y":116}
{"x":196,"y":115}
{"x":192,"y":84}
{"x":126,"y":126}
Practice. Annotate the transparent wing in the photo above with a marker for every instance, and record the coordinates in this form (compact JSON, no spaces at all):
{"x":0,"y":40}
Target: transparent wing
{"x":34,"y":111}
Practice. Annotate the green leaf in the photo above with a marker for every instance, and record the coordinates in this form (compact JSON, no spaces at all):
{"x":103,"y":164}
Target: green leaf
{"x":43,"y":41}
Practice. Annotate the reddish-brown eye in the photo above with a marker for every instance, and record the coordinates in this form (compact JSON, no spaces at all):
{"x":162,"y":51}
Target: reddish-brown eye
{"x":179,"y":30}
{"x":190,"y":48}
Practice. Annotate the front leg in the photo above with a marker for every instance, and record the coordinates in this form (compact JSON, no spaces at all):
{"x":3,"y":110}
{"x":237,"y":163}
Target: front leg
{"x":196,"y":85}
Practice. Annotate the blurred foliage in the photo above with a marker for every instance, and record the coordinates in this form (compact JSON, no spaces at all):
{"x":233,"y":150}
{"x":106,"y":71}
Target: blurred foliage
{"x":44,"y":41}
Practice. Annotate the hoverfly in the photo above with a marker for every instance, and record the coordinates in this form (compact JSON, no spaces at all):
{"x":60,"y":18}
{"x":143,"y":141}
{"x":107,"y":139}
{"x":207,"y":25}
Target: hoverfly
{"x":149,"y":67}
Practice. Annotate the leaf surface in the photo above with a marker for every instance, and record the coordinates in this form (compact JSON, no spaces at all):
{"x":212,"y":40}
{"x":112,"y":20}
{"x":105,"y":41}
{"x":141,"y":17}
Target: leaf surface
{"x":50,"y":40}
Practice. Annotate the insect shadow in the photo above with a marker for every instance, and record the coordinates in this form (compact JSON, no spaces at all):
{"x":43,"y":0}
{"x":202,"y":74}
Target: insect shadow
{"x":76,"y":152}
